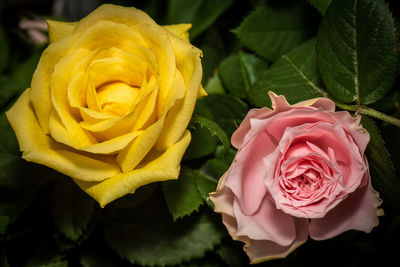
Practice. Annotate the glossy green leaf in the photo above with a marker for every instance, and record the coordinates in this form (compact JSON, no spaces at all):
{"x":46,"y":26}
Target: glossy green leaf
{"x":294,"y":75}
{"x":384,"y":178}
{"x":202,"y":144}
{"x":213,"y":50}
{"x":232,"y":253}
{"x":205,"y":184}
{"x":201,"y":13}
{"x":320,"y":5}
{"x":181,"y":195}
{"x":252,"y":67}
{"x":214,"y":86}
{"x":273,"y":31}
{"x":214,"y":129}
{"x":72,"y":208}
{"x":226,"y":110}
{"x":357,"y":50}
{"x":232,"y":77}
{"x":152,"y":238}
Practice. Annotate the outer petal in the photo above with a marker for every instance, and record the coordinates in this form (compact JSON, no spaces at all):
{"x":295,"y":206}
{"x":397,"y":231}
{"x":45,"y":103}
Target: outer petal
{"x":245,"y":177}
{"x":243,"y":133}
{"x":40,"y":85}
{"x":320,"y":103}
{"x":131,"y":156}
{"x":40,"y":148}
{"x":180,"y":30}
{"x":268,"y":223}
{"x":156,"y":168}
{"x":189,"y":64}
{"x":263,"y":250}
{"x":124,"y":15}
{"x":358,"y":212}
{"x":59,"y":29}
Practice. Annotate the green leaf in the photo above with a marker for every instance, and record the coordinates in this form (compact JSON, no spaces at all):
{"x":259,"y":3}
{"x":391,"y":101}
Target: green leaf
{"x":205,"y":184}
{"x":214,"y":86}
{"x":61,"y":263}
{"x":384,"y":178}
{"x":357,"y":50}
{"x":4,"y":49}
{"x":92,"y":259}
{"x":201,"y":13}
{"x":181,"y":195}
{"x":273,"y":31}
{"x":202,"y":143}
{"x":232,"y":77}
{"x":295,"y":76}
{"x":210,"y":173}
{"x":320,"y":5}
{"x":146,"y":235}
{"x":252,"y":67}
{"x":226,"y":110}
{"x":232,"y":254}
{"x":213,"y":50}
{"x":72,"y":208}
{"x":214,"y":129}
{"x":4,"y":221}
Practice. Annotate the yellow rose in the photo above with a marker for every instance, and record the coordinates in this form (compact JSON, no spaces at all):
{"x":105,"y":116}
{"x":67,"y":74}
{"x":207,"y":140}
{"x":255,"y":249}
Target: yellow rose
{"x":110,"y":101}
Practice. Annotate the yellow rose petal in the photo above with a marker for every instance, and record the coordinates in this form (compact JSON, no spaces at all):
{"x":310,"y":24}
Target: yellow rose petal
{"x":40,"y":85}
{"x":126,"y":15}
{"x":189,"y":65}
{"x":106,"y":34}
{"x":59,"y":29}
{"x":158,"y":39}
{"x":158,"y":167}
{"x":59,"y":87}
{"x":180,"y":30}
{"x":131,"y":156}
{"x":40,"y":148}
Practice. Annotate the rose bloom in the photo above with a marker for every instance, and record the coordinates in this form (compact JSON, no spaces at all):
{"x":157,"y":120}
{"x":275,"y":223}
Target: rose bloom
{"x":300,"y":170}
{"x":110,"y":101}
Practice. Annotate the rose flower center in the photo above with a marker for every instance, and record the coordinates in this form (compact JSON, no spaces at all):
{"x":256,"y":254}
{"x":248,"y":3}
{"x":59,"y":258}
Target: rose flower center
{"x":117,"y":98}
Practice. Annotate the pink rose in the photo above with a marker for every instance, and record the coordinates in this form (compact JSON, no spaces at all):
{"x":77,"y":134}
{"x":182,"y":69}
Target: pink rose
{"x":300,"y":170}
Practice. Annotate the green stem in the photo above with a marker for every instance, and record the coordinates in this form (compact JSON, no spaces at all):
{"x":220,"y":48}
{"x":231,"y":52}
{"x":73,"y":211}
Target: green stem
{"x":370,"y":112}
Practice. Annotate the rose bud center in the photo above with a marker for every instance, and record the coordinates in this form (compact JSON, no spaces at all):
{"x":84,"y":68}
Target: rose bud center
{"x":117,"y":98}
